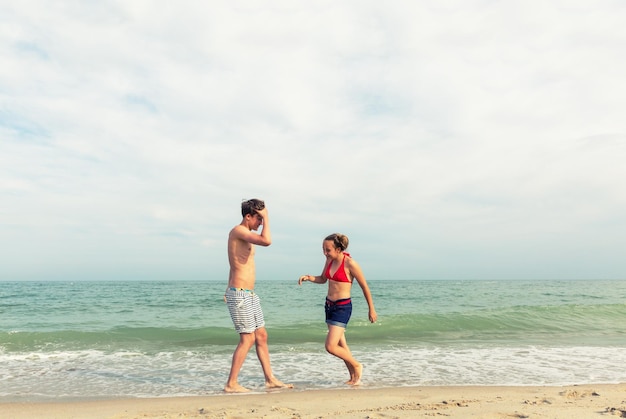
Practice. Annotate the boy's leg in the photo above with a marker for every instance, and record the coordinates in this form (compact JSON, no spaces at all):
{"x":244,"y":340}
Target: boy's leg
{"x":263,"y":353}
{"x":239,"y":308}
{"x":246,"y":340}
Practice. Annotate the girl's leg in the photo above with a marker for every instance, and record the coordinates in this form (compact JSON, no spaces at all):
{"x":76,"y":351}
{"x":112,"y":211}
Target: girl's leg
{"x":336,"y":345}
{"x":343,"y":343}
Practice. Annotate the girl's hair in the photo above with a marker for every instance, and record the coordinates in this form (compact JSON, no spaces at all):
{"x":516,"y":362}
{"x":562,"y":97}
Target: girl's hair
{"x":339,"y":240}
{"x":251,"y":206}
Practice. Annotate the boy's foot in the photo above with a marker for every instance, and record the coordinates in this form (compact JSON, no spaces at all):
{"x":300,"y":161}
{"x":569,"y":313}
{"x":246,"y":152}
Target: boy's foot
{"x":237,"y":388}
{"x":276,"y":383}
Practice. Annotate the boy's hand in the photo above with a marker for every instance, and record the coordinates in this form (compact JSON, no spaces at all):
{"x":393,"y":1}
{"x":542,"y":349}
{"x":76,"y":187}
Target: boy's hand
{"x":263,"y":212}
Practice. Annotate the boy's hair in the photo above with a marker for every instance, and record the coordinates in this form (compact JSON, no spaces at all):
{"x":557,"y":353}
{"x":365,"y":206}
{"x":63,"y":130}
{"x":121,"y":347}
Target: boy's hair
{"x":251,"y":206}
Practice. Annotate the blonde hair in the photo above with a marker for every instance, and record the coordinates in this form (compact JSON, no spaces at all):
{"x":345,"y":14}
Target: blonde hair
{"x":340,"y":241}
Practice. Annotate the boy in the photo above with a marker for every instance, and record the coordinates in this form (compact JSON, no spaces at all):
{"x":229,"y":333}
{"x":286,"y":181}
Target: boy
{"x":243,"y":304}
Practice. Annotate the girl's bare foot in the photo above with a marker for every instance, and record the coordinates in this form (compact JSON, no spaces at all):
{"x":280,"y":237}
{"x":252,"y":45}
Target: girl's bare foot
{"x":352,"y":374}
{"x":358,"y":371}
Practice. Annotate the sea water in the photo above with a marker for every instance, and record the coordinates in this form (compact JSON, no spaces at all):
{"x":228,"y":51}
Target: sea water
{"x":94,"y":340}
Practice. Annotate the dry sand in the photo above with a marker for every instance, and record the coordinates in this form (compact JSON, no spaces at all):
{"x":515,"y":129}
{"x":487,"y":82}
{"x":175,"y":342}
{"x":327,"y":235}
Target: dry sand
{"x":571,"y":402}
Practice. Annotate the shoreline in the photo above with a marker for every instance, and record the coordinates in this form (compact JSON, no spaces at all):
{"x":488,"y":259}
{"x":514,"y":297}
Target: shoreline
{"x":568,"y":401}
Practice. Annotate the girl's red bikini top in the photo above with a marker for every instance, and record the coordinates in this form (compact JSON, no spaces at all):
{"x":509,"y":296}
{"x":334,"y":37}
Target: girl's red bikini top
{"x":340,"y":274}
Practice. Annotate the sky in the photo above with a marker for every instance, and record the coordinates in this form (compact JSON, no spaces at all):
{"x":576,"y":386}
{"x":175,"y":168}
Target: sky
{"x":455,"y":140}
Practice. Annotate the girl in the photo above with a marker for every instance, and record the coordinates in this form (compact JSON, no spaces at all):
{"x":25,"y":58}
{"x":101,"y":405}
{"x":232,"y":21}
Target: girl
{"x":340,"y":271}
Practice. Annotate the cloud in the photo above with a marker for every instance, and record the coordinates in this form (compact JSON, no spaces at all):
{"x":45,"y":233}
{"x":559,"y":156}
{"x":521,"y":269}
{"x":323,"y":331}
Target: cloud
{"x":447,"y":139}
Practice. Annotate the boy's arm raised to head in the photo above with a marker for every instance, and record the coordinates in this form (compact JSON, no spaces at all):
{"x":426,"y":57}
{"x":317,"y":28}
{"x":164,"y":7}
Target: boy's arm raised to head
{"x":266,"y":233}
{"x":240,"y":232}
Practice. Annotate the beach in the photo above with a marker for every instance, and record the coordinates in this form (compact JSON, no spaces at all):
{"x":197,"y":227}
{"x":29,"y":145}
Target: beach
{"x":583,"y":401}
{"x":538,"y":349}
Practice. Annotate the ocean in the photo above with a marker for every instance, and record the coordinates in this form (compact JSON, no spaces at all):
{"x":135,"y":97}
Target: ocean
{"x":99,"y":340}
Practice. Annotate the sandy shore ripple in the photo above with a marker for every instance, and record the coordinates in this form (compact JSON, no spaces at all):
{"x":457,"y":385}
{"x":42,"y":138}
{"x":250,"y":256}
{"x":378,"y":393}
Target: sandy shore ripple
{"x":584,"y":401}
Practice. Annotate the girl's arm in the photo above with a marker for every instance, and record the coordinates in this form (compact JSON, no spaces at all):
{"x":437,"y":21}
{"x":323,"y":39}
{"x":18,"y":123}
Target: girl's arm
{"x":311,"y":278}
{"x":357,"y":273}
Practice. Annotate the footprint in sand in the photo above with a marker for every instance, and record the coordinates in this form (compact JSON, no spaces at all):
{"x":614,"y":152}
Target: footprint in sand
{"x":286,"y":411}
{"x":619,"y":412}
{"x":574,"y":394}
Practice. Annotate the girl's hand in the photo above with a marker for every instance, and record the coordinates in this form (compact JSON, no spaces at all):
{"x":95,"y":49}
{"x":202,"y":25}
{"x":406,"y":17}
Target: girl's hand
{"x":304,"y":278}
{"x":373,"y":316}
